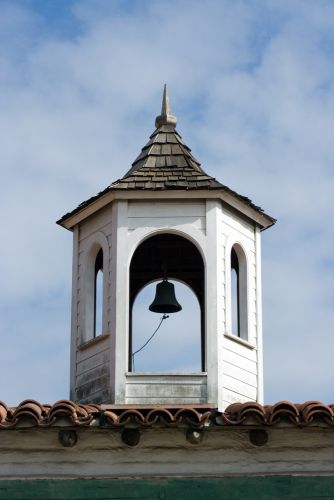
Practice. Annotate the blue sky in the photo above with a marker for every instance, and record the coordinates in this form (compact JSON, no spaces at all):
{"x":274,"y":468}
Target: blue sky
{"x":252,"y":86}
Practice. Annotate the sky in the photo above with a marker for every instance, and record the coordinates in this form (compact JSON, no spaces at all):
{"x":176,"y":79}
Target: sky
{"x":252,"y":85}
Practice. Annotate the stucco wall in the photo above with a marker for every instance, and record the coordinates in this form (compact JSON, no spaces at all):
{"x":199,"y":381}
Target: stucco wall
{"x":165,"y":452}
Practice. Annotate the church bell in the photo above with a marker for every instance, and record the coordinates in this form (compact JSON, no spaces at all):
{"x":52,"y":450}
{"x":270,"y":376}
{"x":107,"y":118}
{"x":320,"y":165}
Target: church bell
{"x":165,"y":300}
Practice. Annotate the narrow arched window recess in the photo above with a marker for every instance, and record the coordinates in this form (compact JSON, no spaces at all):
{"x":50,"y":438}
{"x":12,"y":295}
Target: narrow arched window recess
{"x":235,"y":306}
{"x":239,"y":299}
{"x":98,"y":295}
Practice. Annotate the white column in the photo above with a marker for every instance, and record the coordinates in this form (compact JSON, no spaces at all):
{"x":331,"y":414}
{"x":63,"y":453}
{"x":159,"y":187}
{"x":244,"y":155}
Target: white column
{"x":74,"y":312}
{"x":211,"y":295}
{"x":120,"y":297}
{"x":260,"y":396}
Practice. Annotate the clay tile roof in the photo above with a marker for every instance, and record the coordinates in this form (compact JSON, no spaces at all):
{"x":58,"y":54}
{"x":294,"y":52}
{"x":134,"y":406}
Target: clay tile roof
{"x":283,"y":411}
{"x":169,"y":416}
{"x":30,"y":413}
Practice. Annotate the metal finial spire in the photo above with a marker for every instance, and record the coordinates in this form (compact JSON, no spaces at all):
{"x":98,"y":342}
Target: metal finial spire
{"x":166,"y":118}
{"x":165,"y":108}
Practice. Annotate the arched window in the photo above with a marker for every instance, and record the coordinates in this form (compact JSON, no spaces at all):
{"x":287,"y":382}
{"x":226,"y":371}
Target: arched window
{"x":93,"y":294}
{"x":239,"y":298}
{"x":173,"y":257}
{"x":98,"y":294}
{"x":235,"y":305}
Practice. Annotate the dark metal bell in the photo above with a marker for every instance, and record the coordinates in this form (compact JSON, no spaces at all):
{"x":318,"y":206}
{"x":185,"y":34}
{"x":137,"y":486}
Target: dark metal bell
{"x":165,"y":300}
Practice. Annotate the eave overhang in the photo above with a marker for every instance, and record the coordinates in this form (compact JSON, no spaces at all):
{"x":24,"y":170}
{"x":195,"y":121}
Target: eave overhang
{"x":228,"y":197}
{"x":166,"y":169}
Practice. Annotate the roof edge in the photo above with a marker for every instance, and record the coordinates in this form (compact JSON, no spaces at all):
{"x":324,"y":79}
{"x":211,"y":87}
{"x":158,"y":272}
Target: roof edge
{"x":31,"y":413}
{"x":229,"y":197}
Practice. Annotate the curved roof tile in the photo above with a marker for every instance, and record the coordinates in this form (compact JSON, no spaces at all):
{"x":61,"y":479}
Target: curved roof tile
{"x":30,"y":413}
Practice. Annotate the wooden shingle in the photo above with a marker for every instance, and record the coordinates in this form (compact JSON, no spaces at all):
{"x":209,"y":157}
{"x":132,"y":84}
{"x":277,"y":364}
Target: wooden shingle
{"x":166,"y":150}
{"x":166,"y":163}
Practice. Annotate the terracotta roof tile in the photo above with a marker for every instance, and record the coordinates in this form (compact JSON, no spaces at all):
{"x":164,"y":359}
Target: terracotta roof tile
{"x":32,"y":414}
{"x":45,"y":415}
{"x":297,"y":414}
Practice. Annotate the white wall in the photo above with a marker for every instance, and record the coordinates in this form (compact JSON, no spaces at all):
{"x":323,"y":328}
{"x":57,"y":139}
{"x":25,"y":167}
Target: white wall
{"x":176,"y":388}
{"x":233,"y":366}
{"x":238,"y":358}
{"x":91,"y":358}
{"x":138,"y":221}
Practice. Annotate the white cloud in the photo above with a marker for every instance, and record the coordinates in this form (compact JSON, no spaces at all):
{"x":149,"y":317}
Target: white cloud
{"x":252,"y":86}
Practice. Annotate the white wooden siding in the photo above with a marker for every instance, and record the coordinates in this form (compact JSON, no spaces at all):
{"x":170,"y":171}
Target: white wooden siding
{"x":234,"y":397}
{"x":236,"y":359}
{"x":166,"y":209}
{"x":158,"y":215}
{"x":90,"y":379}
{"x":239,"y":367}
{"x":165,"y":388}
{"x":166,"y":222}
{"x":233,"y":222}
{"x":239,"y":374}
{"x":232,"y":368}
{"x":95,"y":351}
{"x":239,"y":387}
{"x":100,"y":221}
{"x":238,"y":348}
{"x":238,"y":363}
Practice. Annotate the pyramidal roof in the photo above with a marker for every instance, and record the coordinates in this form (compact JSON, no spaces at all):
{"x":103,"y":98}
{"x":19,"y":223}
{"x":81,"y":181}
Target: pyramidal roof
{"x":166,"y":162}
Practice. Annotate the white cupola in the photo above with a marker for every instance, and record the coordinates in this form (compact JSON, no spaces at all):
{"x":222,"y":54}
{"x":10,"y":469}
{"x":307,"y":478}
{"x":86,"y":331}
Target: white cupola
{"x":166,"y":219}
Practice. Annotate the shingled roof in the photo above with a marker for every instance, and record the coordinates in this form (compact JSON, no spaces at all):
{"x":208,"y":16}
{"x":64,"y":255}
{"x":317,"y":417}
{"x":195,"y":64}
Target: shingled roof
{"x":166,"y":163}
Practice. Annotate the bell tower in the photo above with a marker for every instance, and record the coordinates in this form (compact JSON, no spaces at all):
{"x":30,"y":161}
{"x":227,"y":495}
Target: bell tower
{"x":166,"y":221}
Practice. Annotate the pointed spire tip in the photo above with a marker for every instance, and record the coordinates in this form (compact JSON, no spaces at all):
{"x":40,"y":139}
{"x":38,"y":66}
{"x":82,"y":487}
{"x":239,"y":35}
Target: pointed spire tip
{"x":166,"y":118}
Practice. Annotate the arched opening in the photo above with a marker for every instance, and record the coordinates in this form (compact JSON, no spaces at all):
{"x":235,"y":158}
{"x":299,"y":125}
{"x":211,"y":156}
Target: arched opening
{"x":168,"y":351}
{"x":98,"y":294}
{"x":239,"y":298}
{"x":93,"y":293}
{"x":235,"y":306}
{"x":176,"y":258}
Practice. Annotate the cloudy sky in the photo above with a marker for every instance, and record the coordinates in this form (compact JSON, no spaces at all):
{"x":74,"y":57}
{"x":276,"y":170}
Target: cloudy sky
{"x":252,"y":85}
